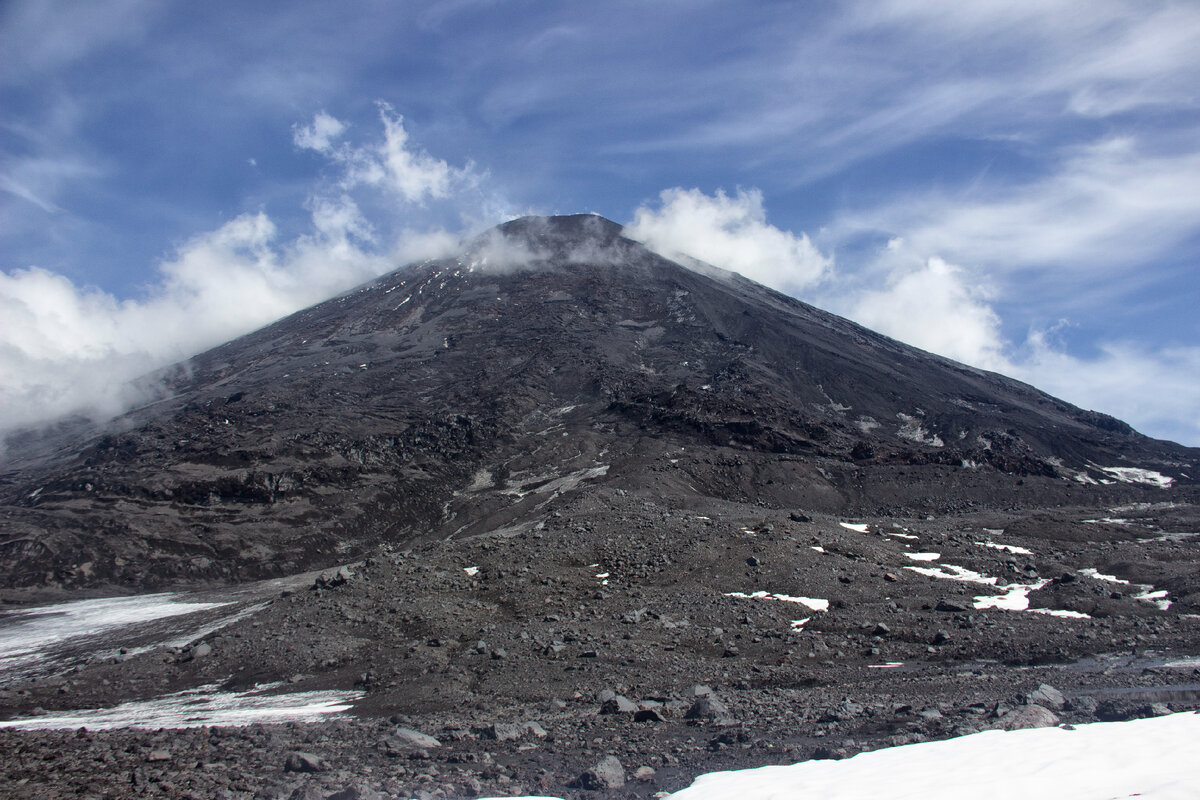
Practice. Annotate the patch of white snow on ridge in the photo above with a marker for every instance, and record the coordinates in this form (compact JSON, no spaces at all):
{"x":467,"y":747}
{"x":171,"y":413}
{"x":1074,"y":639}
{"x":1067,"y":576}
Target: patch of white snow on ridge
{"x":1015,"y":597}
{"x":813,"y":603}
{"x":198,"y":707}
{"x":1091,"y":573}
{"x":1145,"y":758}
{"x":472,"y":571}
{"x":1138,"y":475}
{"x":1146,"y":592}
{"x":923,"y":556}
{"x":950,"y":572}
{"x":859,"y":527}
{"x":1060,"y":612}
{"x":1008,"y":548}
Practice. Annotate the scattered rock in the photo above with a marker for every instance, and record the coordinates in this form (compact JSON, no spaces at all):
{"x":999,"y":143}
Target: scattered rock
{"x":1047,"y":696}
{"x":357,"y":791}
{"x":707,"y":707}
{"x":950,"y":607}
{"x":1028,"y":716}
{"x":407,"y":737}
{"x":503,"y":731}
{"x":619,"y":704}
{"x":606,"y":774}
{"x":304,"y":762}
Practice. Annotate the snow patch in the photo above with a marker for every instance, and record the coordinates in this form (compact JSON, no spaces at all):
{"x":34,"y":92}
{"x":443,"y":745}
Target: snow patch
{"x":950,"y":572}
{"x":923,"y":556}
{"x":1142,"y":758}
{"x":198,"y":707}
{"x":28,"y":633}
{"x":812,"y":603}
{"x":860,"y":527}
{"x":1138,"y":475}
{"x":1015,"y":597}
{"x":1008,"y":548}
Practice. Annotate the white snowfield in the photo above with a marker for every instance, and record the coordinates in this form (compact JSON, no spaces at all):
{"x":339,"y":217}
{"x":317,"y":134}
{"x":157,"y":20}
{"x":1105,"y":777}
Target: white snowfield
{"x":1150,"y":759}
{"x":28,"y":633}
{"x":198,"y":707}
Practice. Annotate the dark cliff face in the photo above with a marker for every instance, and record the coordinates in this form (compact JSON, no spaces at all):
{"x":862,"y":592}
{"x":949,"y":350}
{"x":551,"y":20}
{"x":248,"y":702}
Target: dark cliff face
{"x":463,"y":395}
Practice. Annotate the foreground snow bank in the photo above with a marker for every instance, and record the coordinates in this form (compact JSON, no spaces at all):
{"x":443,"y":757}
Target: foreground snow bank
{"x":1150,"y":759}
{"x":1147,"y":758}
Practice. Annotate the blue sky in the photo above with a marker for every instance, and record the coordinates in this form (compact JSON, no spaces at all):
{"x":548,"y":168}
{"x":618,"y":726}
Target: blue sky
{"x":1012,"y":184}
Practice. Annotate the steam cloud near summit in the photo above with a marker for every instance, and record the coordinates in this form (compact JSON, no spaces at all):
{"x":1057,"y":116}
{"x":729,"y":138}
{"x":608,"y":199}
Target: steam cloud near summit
{"x":68,"y":349}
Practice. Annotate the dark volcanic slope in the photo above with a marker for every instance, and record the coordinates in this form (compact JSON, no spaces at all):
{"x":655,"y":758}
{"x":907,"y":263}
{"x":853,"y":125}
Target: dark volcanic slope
{"x":456,"y":397}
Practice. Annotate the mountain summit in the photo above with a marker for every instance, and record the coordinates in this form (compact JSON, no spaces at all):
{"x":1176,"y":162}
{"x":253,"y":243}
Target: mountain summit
{"x":454,"y":397}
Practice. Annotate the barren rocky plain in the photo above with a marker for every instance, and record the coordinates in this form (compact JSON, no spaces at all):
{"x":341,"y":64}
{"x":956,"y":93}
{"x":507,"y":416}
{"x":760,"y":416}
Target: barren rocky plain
{"x":561,"y":517}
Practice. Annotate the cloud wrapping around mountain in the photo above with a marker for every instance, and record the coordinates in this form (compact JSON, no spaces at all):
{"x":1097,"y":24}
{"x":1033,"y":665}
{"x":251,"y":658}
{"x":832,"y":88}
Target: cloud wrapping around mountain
{"x":66,"y":349}
{"x":731,"y":233}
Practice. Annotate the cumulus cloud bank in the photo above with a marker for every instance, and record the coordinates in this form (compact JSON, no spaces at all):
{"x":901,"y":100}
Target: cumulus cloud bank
{"x":732,"y":233}
{"x":68,"y":349}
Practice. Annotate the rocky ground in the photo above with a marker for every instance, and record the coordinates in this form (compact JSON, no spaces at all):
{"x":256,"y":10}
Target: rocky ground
{"x":603,"y":650}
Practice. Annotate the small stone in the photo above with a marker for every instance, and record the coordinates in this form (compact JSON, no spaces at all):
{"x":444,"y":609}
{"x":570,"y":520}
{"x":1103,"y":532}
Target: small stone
{"x":535,"y":730}
{"x":503,"y":732}
{"x":949,"y":606}
{"x":159,"y":755}
{"x":650,"y":715}
{"x":1030,"y":716}
{"x":303,"y":762}
{"x":606,"y":774}
{"x":357,"y":792}
{"x":643,"y":773}
{"x":410,"y":738}
{"x":619,"y":704}
{"x":1048,"y":696}
{"x":882,"y":629}
{"x":707,"y":707}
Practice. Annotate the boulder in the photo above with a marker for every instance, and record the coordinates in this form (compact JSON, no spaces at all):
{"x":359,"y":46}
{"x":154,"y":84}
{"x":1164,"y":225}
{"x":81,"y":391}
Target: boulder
{"x":1030,"y":716}
{"x":1047,"y":696}
{"x":606,"y":774}
{"x":303,"y":762}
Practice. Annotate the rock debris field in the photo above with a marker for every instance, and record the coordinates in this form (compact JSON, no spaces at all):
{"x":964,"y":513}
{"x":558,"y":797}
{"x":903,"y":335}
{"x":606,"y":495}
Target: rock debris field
{"x":616,"y":648}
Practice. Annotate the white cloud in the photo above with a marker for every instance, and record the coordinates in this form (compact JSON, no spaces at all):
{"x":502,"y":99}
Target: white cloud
{"x":66,"y":349}
{"x":1105,"y":207}
{"x":732,"y":233}
{"x":1155,"y":390}
{"x":934,"y":306}
{"x":320,"y":134}
{"x":391,"y":164}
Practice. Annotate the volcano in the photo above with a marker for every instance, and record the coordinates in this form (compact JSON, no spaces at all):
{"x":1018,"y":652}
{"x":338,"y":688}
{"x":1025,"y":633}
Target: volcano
{"x":453,"y":397}
{"x":560,"y":515}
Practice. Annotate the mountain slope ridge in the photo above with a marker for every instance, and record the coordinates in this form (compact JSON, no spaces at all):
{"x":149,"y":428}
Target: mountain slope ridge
{"x":552,"y":347}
